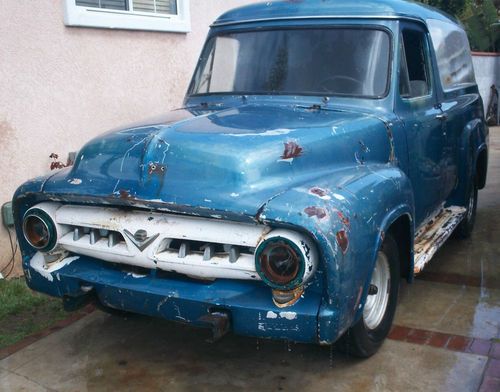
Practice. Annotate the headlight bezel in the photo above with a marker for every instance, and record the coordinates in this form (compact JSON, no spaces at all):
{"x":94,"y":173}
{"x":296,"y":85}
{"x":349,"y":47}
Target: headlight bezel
{"x":276,"y":241}
{"x":43,"y":217}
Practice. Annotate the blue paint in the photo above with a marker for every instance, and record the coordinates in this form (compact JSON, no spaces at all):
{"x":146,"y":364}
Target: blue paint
{"x":304,"y":9}
{"x":358,"y":165}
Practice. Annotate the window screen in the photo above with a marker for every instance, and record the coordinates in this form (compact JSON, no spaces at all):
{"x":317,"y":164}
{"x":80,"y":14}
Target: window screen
{"x":156,"y":6}
{"x":108,"y":4}
{"x":152,"y":6}
{"x":453,"y":54}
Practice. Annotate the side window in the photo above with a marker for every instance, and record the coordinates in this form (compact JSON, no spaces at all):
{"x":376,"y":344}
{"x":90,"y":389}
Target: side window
{"x":415,"y":78}
{"x":452,"y":53}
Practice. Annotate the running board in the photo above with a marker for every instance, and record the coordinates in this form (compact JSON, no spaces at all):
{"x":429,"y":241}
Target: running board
{"x":434,"y":234}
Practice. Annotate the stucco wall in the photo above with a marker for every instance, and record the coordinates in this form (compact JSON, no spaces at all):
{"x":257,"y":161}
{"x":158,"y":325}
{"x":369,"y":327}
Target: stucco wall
{"x":60,"y":86}
{"x":487,"y":69}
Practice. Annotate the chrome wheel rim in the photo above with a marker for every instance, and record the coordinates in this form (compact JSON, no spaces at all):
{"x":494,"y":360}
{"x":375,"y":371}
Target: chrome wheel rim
{"x":376,"y":304}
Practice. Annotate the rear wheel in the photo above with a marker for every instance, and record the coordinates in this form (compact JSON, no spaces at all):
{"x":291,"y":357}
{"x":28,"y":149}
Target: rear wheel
{"x":365,"y":337}
{"x":464,"y":230}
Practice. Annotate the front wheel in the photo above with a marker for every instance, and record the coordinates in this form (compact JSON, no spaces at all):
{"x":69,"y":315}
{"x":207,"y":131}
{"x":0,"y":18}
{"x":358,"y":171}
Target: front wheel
{"x":365,"y":337}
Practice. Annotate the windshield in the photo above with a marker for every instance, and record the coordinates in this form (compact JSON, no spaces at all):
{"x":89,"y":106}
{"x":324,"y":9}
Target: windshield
{"x":326,"y":61}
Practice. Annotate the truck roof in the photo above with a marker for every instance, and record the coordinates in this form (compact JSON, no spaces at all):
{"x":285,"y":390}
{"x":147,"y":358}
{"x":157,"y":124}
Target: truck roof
{"x":314,"y":9}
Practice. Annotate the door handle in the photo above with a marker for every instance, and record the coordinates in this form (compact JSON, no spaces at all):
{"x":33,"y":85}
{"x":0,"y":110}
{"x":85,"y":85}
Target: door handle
{"x":442,"y":116}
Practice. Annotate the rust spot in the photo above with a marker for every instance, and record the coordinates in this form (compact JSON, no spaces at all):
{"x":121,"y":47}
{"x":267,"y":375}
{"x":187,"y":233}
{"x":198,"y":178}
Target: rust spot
{"x":343,"y":241}
{"x":345,"y":221}
{"x":292,"y":150}
{"x":318,"y":212}
{"x":283,"y":299}
{"x":392,"y":155}
{"x":125,"y":195}
{"x":319,"y":192}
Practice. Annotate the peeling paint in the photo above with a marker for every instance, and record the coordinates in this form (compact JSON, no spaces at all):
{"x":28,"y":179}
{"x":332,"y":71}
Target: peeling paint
{"x":345,"y":221}
{"x":292,"y":151}
{"x":288,"y":315}
{"x":317,"y":212}
{"x":75,"y":181}
{"x":321,"y":193}
{"x":125,"y":156}
{"x":161,"y":303}
{"x":434,"y":233}
{"x":137,"y":276}
{"x":343,"y":241}
{"x":392,"y":154}
{"x":38,"y":264}
{"x":271,"y":315}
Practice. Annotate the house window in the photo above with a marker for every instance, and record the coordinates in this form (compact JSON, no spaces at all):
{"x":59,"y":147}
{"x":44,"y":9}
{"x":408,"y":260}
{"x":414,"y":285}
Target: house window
{"x":154,"y":15}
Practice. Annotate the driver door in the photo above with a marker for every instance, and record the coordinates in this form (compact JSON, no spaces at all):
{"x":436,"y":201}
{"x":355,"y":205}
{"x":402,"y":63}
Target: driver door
{"x":422,"y":117}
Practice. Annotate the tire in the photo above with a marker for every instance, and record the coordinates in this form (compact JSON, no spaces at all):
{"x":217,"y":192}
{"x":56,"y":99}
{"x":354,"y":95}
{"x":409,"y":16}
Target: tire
{"x":465,"y":228}
{"x":365,"y":337}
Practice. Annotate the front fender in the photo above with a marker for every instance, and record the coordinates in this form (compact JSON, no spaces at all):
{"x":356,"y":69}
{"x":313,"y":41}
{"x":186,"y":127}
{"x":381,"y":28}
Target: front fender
{"x":347,"y":213}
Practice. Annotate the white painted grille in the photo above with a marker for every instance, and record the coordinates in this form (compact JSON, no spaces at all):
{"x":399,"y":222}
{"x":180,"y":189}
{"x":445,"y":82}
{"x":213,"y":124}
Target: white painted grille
{"x":196,"y":247}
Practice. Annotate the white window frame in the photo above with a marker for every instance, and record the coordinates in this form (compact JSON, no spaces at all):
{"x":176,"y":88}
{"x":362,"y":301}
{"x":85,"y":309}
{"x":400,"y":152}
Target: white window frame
{"x":130,"y":20}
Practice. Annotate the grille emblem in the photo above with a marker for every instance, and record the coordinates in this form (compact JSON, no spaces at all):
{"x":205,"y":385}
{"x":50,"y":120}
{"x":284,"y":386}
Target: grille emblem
{"x":140,"y":239}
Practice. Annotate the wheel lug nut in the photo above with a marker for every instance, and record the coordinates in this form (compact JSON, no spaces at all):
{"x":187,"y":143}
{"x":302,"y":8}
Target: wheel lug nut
{"x":372,"y":290}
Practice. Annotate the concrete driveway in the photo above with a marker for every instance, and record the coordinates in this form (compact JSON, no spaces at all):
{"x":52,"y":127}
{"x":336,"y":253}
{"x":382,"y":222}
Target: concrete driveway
{"x":447,"y":338}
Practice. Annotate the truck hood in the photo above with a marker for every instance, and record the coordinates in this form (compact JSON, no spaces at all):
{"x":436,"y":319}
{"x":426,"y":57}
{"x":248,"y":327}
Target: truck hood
{"x":232,"y":160}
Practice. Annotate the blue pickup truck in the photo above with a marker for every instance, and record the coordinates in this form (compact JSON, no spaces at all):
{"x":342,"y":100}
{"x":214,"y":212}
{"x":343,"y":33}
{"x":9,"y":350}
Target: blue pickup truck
{"x":325,"y":150}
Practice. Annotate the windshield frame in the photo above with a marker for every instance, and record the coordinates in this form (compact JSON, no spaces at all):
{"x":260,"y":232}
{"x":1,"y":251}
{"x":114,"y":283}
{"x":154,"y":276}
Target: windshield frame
{"x":349,"y":26}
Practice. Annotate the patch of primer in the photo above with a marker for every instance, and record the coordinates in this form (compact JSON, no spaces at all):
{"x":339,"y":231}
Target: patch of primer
{"x":271,"y":315}
{"x":288,"y":315}
{"x":75,"y":181}
{"x":38,"y":264}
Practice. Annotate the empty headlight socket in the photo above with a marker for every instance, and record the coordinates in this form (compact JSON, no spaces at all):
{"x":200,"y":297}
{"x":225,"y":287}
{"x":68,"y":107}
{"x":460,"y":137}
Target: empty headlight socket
{"x":288,"y":292}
